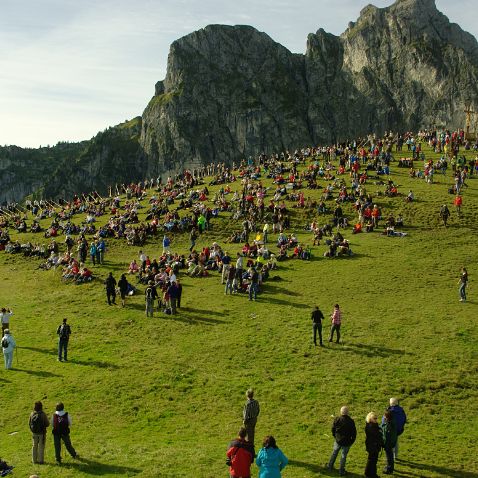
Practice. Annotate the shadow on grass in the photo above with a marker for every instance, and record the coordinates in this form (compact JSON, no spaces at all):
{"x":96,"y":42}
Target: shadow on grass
{"x":318,"y":469}
{"x":439,"y":469}
{"x":37,"y":373}
{"x":91,"y":467}
{"x":94,"y":363}
{"x":192,"y":319}
{"x":370,"y":350}
{"x":52,"y":351}
{"x":279,"y":290}
{"x":274,"y":300}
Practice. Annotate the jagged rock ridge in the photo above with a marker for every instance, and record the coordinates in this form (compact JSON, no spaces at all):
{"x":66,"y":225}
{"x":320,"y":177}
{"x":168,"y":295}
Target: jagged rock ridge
{"x":231,"y":91}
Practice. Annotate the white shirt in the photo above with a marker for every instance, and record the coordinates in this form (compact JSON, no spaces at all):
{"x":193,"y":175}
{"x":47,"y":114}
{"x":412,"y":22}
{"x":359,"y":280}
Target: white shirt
{"x":6,"y":317}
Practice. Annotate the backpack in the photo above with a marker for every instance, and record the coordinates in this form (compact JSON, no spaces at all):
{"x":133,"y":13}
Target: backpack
{"x":149,"y":293}
{"x":64,"y":331}
{"x":60,"y":424}
{"x":5,"y":342}
{"x":37,"y":423}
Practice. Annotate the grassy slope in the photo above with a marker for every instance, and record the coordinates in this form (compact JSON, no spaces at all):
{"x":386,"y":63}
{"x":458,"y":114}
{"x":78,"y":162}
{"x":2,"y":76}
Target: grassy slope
{"x":162,"y":396}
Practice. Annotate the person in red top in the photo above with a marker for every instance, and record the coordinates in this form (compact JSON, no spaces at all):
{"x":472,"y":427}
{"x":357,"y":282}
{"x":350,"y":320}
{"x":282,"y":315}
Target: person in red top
{"x":240,"y":456}
{"x":458,"y":203}
{"x":336,"y":318}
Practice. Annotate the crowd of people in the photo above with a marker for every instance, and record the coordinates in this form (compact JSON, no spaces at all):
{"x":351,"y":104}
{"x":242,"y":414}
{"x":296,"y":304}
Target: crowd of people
{"x":183,"y":205}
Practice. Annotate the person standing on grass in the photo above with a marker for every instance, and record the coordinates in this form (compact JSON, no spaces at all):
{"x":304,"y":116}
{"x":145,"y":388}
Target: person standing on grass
{"x":400,"y":418}
{"x":63,"y":331}
{"x":249,"y":415}
{"x":5,"y":315}
{"x":389,"y":435}
{"x":8,"y":346}
{"x":61,"y":423}
{"x":38,"y":423}
{"x":336,"y":318}
{"x":110,"y":284}
{"x":270,"y":459}
{"x":240,"y":456}
{"x":345,"y":433}
{"x":463,"y":281}
{"x":444,"y":214}
{"x":123,"y":288}
{"x":150,"y":294}
{"x":317,"y":317}
{"x":373,"y":444}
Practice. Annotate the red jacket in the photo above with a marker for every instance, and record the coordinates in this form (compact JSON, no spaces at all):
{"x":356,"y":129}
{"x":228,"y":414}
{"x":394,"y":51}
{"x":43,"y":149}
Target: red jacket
{"x":242,"y":454}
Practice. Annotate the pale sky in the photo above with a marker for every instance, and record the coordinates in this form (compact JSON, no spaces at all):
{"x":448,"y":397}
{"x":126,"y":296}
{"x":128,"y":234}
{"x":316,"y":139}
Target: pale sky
{"x":72,"y":68}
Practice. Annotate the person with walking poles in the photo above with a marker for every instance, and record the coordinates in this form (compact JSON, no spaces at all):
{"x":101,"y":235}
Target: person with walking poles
{"x":8,"y":346}
{"x":38,"y":424}
{"x":249,"y":414}
{"x":61,"y":423}
{"x":336,"y":318}
{"x":5,"y":316}
{"x":345,"y":433}
{"x":317,"y":317}
{"x":63,"y":331}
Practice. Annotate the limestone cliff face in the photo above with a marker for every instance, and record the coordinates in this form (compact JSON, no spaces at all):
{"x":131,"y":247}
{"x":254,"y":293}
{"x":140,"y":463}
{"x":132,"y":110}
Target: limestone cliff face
{"x":231,"y":92}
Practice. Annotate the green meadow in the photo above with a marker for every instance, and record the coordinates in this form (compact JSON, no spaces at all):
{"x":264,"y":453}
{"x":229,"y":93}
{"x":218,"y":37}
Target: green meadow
{"x":163,"y":396}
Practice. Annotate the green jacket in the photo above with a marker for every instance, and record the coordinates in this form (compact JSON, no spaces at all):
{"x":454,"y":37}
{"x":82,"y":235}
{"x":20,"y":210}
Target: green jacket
{"x":389,"y":434}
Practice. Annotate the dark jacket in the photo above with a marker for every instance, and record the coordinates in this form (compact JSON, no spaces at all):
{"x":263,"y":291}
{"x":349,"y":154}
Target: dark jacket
{"x":344,"y":431}
{"x":389,"y":434}
{"x":400,"y":418}
{"x":317,"y":316}
{"x":373,"y":438}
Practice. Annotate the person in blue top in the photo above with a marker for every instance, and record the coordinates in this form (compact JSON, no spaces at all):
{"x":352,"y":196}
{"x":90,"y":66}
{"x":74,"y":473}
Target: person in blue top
{"x":166,"y":244}
{"x":270,"y":459}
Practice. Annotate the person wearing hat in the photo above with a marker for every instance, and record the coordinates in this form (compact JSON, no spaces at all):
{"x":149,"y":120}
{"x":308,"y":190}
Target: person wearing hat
{"x":150,"y":294}
{"x":5,"y":315}
{"x":8,"y":346}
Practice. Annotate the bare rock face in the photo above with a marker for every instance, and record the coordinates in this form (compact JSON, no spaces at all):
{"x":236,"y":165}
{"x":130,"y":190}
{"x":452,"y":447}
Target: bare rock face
{"x":231,"y":92}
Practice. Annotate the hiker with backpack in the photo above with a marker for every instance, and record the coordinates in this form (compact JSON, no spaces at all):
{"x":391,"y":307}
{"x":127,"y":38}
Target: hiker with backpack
{"x":5,"y":317}
{"x":150,"y":294}
{"x":63,"y":331}
{"x":61,"y":422}
{"x":38,"y":424}
{"x":8,"y":346}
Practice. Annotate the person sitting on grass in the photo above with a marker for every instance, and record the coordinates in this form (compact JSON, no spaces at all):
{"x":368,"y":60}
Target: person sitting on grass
{"x":133,"y":267}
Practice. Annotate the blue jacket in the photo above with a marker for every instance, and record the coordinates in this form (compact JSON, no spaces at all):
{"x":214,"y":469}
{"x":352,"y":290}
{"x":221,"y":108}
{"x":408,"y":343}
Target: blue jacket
{"x":271,"y":462}
{"x":400,"y":418}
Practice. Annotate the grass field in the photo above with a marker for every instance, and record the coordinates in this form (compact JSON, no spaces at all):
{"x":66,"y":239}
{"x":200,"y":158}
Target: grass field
{"x":162,"y":397}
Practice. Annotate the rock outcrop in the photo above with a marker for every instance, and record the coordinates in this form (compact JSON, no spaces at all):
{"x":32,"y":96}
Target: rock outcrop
{"x":231,"y":91}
